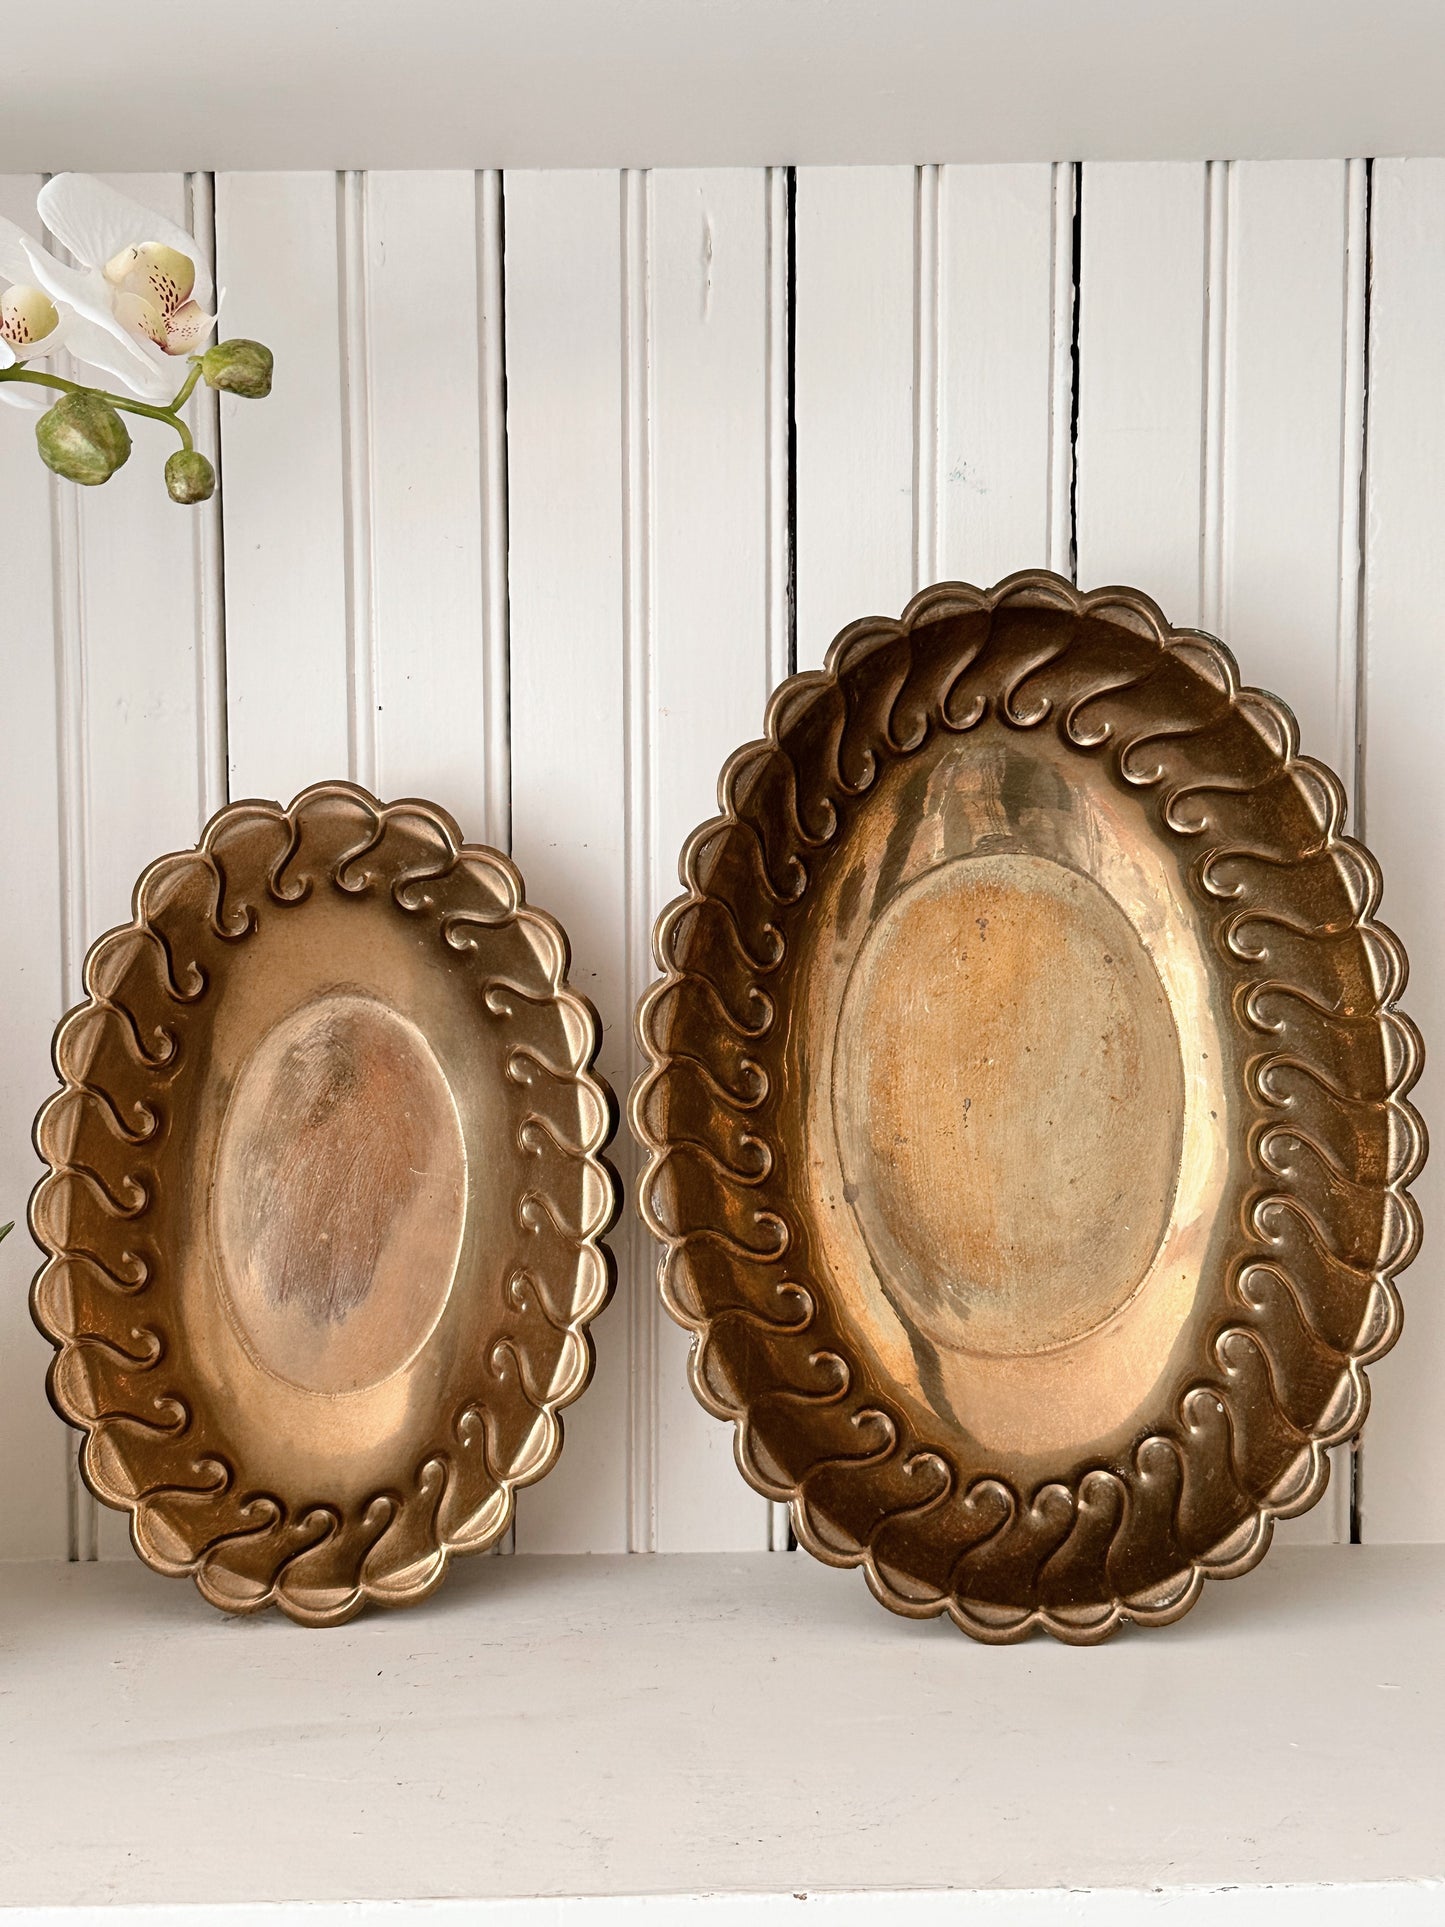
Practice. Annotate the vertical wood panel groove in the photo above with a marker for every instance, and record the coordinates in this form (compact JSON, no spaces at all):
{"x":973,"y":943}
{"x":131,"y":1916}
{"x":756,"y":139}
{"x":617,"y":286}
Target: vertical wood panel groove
{"x":1289,"y":357}
{"x":283,"y":486}
{"x":641,"y":864}
{"x":1141,"y":342}
{"x":926,"y":330}
{"x":82,"y":1514}
{"x":357,"y":456}
{"x":1059,"y":507}
{"x":778,"y":497}
{"x":566,"y":360}
{"x":209,"y":551}
{"x":791,"y":213}
{"x":492,"y":391}
{"x":778,"y":404}
{"x":145,"y":731}
{"x":1401,"y":1495}
{"x":1213,"y":614}
{"x":1354,"y":469}
{"x":39,"y":1495}
{"x":72,"y":793}
{"x":856,"y":356}
{"x":1349,"y":665}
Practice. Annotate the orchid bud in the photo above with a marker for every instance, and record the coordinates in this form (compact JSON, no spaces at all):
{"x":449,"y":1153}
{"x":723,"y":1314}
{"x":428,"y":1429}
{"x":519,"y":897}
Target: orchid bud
{"x":83,"y":439}
{"x":240,"y":367}
{"x":190,"y":477}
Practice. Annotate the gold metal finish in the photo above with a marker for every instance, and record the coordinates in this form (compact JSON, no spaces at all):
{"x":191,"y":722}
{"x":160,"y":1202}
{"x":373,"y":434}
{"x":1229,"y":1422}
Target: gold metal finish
{"x":1027,"y":1111}
{"x":326,"y":1204}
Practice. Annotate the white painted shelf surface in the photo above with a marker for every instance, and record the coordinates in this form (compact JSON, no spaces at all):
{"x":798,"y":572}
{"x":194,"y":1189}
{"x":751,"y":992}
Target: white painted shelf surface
{"x":726,"y":1725}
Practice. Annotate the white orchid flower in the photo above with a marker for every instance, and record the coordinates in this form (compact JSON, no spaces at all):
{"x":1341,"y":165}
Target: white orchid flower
{"x":140,"y":284}
{"x":29,"y":324}
{"x":34,"y":323}
{"x":29,"y":320}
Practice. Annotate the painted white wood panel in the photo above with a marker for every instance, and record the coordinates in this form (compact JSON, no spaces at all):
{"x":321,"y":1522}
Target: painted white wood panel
{"x":854,"y":404}
{"x":371,"y":580}
{"x":1141,"y":381}
{"x":142,"y":633}
{"x":1004,"y":381}
{"x":709,"y":667}
{"x":286,"y":586}
{"x":1281,"y":582}
{"x":934,"y":386}
{"x":1219,"y":433}
{"x":426,"y":364}
{"x":569,"y":740}
{"x":1403,"y":1470}
{"x":1292,"y":421}
{"x":34,"y":1448}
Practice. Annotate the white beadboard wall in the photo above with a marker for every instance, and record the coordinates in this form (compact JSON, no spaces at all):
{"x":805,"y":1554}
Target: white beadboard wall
{"x":565,"y":470}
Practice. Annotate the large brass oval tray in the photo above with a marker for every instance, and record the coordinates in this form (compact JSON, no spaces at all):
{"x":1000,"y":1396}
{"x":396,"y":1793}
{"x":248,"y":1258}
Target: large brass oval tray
{"x":1027,"y":1111}
{"x":325,"y":1204}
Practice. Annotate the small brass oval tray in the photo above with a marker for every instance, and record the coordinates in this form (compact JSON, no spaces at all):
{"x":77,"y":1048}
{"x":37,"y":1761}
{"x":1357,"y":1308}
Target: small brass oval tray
{"x":1027,"y":1111}
{"x":325,"y":1205}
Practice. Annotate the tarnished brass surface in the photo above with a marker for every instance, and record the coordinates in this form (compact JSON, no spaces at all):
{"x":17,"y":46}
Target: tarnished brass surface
{"x":325,"y":1206}
{"x":1026,"y":1117}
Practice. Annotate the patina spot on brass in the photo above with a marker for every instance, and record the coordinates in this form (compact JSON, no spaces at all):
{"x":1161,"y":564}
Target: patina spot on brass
{"x":1008,"y":1095}
{"x":340,"y":1194}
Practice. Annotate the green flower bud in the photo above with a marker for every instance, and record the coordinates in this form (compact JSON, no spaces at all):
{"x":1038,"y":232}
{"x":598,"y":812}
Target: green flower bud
{"x":190,"y":477}
{"x":240,"y":367}
{"x":83,"y":439}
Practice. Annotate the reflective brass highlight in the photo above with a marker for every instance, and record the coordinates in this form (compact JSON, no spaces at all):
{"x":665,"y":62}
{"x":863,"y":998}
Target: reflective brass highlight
{"x":326,"y":1204}
{"x":1027,"y":1111}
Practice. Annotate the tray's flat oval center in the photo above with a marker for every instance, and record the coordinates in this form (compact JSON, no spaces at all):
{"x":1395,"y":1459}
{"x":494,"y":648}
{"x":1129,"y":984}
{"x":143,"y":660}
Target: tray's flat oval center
{"x":1008,"y":1097}
{"x":339,"y":1194}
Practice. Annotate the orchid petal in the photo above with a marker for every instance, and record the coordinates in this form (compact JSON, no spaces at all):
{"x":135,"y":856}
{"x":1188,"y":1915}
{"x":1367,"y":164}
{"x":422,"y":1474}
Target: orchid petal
{"x":14,"y":262}
{"x":143,"y":369}
{"x":90,"y":343}
{"x":187,"y":328}
{"x":161,"y":274}
{"x":29,"y":320}
{"x":141,"y":318}
{"x":97,"y":222}
{"x":151,"y":381}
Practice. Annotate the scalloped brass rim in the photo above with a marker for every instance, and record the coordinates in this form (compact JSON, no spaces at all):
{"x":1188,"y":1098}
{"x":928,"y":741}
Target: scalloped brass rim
{"x":888,"y":689}
{"x":112,"y":1305}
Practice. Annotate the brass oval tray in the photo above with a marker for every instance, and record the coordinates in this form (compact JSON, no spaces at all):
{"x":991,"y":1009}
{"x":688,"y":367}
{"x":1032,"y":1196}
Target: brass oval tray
{"x":325,"y":1204}
{"x":1026,"y":1111}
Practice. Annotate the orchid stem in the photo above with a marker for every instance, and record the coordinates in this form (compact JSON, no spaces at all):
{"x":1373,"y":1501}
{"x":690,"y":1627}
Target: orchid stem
{"x":188,"y":386}
{"x":124,"y":402}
